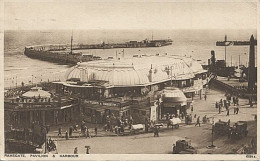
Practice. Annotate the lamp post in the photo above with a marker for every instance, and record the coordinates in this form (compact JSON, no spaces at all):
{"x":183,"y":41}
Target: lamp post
{"x":212,"y":146}
{"x":87,"y":149}
{"x":16,"y":81}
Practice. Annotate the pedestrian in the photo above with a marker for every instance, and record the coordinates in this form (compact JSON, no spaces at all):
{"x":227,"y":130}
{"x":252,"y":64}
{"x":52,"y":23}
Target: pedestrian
{"x":111,"y":128}
{"x":156,"y":131}
{"x":59,"y":132}
{"x":76,"y":150}
{"x":75,"y":127}
{"x":204,"y":119}
{"x":66,"y":135}
{"x":237,"y":109}
{"x":219,"y":109}
{"x":95,"y":130}
{"x":173,"y":148}
{"x":198,"y":121}
{"x":117,"y":130}
{"x":88,"y":135}
{"x":227,"y":112}
{"x":216,"y":105}
{"x":234,"y":100}
{"x":167,"y":116}
{"x":70,"y":131}
{"x":205,"y":97}
{"x":225,"y":104}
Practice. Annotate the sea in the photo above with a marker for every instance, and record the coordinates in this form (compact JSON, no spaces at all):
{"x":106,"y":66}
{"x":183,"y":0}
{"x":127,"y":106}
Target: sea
{"x":194,"y":43}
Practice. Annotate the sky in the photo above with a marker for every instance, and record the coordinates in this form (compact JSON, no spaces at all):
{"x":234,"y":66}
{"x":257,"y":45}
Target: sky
{"x":30,"y":15}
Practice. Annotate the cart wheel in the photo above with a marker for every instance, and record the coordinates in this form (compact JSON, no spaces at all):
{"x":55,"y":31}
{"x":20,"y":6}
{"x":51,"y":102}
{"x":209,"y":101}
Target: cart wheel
{"x":177,"y":126}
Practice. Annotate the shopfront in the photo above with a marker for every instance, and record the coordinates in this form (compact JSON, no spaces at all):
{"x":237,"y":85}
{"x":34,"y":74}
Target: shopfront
{"x":174,"y":103}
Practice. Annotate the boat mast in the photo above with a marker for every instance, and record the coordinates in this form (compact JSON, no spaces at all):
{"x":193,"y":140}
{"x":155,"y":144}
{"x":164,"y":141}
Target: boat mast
{"x":71,"y":43}
{"x":171,"y":76}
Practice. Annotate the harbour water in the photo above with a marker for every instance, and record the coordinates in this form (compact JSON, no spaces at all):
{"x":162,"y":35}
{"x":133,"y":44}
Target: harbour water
{"x":195,"y":43}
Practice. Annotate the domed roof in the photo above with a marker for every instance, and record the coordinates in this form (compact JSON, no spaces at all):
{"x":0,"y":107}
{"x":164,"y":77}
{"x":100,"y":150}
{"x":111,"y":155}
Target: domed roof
{"x":135,"y":71}
{"x":116,"y":73}
{"x":37,"y":92}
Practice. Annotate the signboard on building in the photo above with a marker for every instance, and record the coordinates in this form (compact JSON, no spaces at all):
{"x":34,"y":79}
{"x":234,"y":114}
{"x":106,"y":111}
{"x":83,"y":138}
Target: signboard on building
{"x":153,"y":116}
{"x":198,"y":84}
{"x":112,"y":104}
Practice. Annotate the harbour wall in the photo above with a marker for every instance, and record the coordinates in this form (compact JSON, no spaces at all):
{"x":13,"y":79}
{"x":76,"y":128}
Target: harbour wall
{"x":57,"y":54}
{"x":231,"y":89}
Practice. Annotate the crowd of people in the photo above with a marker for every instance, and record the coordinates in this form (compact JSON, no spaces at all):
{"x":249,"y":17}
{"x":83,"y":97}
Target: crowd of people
{"x":226,"y":103}
{"x":13,"y":92}
{"x":84,"y":131}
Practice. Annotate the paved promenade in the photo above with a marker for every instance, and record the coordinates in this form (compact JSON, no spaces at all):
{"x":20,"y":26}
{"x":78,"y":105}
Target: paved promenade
{"x":108,"y":142}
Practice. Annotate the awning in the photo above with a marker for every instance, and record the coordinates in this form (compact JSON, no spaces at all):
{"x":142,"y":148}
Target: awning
{"x":37,"y":92}
{"x":173,"y":96}
{"x":63,"y":107}
{"x":173,"y":104}
{"x":189,"y":89}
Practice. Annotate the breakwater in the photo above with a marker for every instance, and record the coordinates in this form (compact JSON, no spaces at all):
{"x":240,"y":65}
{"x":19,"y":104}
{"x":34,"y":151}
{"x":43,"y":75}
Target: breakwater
{"x":57,"y":54}
{"x":62,"y":53}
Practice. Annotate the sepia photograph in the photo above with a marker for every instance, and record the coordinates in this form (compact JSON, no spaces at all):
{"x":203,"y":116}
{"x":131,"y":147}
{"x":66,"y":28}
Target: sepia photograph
{"x":129,"y":77}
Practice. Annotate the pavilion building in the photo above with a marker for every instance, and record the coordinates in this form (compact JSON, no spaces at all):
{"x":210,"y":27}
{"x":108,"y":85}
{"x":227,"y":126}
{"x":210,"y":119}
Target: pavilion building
{"x":134,"y":87}
{"x":41,"y":107}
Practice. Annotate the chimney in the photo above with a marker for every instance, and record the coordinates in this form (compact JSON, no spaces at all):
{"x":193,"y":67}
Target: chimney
{"x":213,"y":58}
{"x":251,"y":66}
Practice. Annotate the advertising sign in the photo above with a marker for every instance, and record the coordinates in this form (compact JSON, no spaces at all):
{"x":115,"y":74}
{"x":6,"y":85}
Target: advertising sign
{"x":153,"y":113}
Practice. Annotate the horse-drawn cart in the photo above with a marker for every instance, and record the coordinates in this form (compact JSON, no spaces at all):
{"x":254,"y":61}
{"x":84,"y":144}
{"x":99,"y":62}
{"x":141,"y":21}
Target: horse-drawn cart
{"x":174,"y":122}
